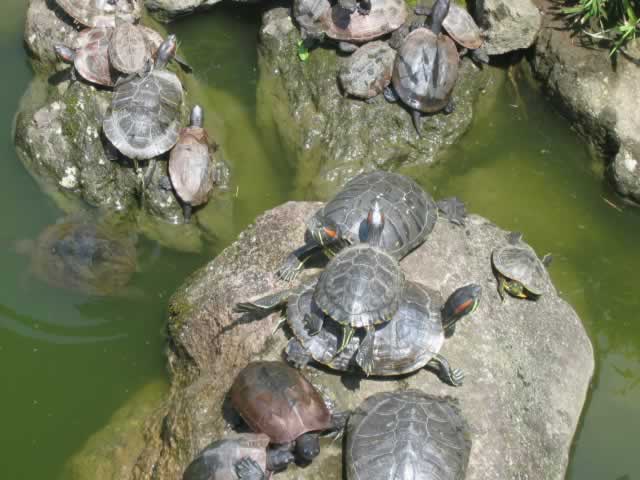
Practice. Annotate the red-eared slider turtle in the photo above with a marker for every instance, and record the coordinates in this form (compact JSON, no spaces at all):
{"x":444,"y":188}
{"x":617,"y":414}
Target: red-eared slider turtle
{"x":277,"y":400}
{"x":191,"y":166}
{"x":102,"y":13}
{"x":84,"y":256}
{"x":243,"y":456}
{"x":426,"y":69}
{"x":90,"y":58}
{"x":409,"y":211}
{"x":367,"y":72}
{"x":143,"y":120}
{"x":519,"y":270}
{"x":407,"y":435}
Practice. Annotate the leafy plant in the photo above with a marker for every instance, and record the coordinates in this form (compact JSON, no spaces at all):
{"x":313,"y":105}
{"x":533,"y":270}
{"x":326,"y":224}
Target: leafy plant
{"x":617,"y":21}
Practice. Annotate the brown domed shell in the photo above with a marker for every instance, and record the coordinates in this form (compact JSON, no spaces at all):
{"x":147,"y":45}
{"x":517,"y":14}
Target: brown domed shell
{"x":100,"y":13}
{"x":368,"y":71}
{"x":191,"y":166}
{"x":385,"y":17}
{"x":92,"y":56}
{"x":461,"y":26}
{"x":129,"y":49}
{"x":275,"y":399}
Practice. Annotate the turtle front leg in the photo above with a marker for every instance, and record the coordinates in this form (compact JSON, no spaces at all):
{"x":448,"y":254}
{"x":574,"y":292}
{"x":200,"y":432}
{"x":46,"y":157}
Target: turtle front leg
{"x":294,"y":262}
{"x":347,"y":334}
{"x":265,"y":305}
{"x":279,"y":458}
{"x":502,"y":287}
{"x":364,"y":357}
{"x":451,"y":376}
{"x":248,"y":469}
{"x":296,"y":354}
{"x":364,"y":7}
{"x":338,"y":424}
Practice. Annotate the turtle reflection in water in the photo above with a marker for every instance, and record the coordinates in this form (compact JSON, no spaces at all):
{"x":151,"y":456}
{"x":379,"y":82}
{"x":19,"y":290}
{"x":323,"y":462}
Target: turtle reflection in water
{"x":84,"y":256}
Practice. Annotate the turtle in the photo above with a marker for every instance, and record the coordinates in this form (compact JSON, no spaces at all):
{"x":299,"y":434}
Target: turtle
{"x":191,"y":167}
{"x":518,"y":269}
{"x":426,"y":69}
{"x":143,"y":120}
{"x":406,"y":435}
{"x":90,"y":58}
{"x":275,"y":399}
{"x":240,"y":456}
{"x":82,"y":255}
{"x":462,"y":28}
{"x":318,"y":20}
{"x":410,"y":212}
{"x":367,"y":72}
{"x":102,"y":13}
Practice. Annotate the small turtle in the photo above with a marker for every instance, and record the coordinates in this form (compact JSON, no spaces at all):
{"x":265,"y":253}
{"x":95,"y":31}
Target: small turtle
{"x":518,"y":269}
{"x":143,"y":120}
{"x":243,"y":456}
{"x":367,"y":72}
{"x":191,"y":166}
{"x":90,"y":58}
{"x":277,"y":400}
{"x":426,"y":69}
{"x":84,"y":256}
{"x":409,"y":210}
{"x":407,"y":435}
{"x":102,"y":13}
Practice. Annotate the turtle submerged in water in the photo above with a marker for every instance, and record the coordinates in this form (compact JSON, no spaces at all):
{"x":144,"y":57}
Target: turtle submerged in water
{"x":82,"y":255}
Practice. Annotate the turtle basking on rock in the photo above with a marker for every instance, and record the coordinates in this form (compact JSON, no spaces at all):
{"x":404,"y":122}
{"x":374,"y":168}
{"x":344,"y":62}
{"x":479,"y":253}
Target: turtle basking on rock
{"x":367,"y":72}
{"x":102,"y":13}
{"x":90,"y":58}
{"x":410,"y":212}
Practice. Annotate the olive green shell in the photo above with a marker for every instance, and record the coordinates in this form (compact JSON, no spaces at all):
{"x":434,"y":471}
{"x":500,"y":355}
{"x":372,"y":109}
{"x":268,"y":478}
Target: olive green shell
{"x":361,"y":286}
{"x":92,"y":56}
{"x":461,"y":26}
{"x":519,"y":262}
{"x":99,"y":13}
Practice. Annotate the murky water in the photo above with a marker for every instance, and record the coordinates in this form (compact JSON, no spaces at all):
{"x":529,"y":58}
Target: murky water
{"x":67,"y":361}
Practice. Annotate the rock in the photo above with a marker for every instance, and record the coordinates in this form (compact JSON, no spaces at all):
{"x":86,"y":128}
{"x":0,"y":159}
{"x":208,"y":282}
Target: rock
{"x":333,"y":137}
{"x":598,"y":98}
{"x":508,"y":24}
{"x":46,"y":26}
{"x":165,"y":10}
{"x":528,"y":364}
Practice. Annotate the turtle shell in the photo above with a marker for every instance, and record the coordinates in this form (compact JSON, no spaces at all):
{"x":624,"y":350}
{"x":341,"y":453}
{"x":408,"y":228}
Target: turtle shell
{"x":406,"y":435}
{"x":217,"y":461}
{"x":385,"y":17}
{"x":129,"y":50}
{"x":143,"y":120}
{"x":461,"y":26}
{"x":361,"y":286}
{"x":426,"y":70}
{"x":277,"y":400}
{"x":367,"y":72}
{"x":85,"y":257}
{"x":92,"y":56}
{"x":520,"y":263}
{"x":410,"y":213}
{"x":191,"y":166}
{"x":100,"y":13}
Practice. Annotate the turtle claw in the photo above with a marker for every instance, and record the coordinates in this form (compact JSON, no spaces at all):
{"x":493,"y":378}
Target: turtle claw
{"x":248,"y":469}
{"x":289,"y":269}
{"x":456,"y":378}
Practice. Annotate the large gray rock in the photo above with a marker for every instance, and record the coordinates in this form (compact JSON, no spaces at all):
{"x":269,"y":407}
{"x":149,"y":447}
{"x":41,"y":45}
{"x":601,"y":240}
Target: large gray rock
{"x":332,"y":137}
{"x":166,"y":10}
{"x":528,"y":364}
{"x":508,"y":24}
{"x":598,"y":98}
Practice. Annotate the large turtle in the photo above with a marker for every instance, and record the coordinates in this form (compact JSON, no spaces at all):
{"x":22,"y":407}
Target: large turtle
{"x":407,"y":435}
{"x":82,"y":255}
{"x":367,"y":72}
{"x":277,"y":400}
{"x":410,"y":215}
{"x":519,"y":270}
{"x":90,"y":58}
{"x":102,"y":13}
{"x":143,"y":120}
{"x":426,"y":69}
{"x":242,"y":456}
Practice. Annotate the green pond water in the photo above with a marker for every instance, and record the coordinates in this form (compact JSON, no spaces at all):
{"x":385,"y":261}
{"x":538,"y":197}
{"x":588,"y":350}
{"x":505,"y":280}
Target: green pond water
{"x":68,"y":362}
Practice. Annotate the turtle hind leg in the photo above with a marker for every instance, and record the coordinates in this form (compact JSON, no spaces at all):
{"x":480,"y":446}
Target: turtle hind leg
{"x":187,"y":209}
{"x":450,"y":376}
{"x":416,"y":117}
{"x":547,"y":259}
{"x":296,"y":354}
{"x":390,"y":94}
{"x":264,"y":305}
{"x":453,"y":209}
{"x":248,"y":469}
{"x":364,"y":357}
{"x":450,"y":107}
{"x":347,"y":334}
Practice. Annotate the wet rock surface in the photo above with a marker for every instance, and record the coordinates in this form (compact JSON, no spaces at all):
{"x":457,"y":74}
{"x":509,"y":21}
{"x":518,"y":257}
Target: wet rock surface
{"x":598,"y":97}
{"x":166,"y":10}
{"x":528,"y":364}
{"x":333,"y":137}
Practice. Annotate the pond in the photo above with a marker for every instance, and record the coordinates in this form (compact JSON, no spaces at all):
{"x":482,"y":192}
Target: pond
{"x":68,"y":361}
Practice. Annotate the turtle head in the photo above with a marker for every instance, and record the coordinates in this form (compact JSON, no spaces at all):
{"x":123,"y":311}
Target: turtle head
{"x":460,"y":303}
{"x":324,"y":230}
{"x":375,"y":225}
{"x":65,"y":54}
{"x":197,"y":116}
{"x":166,"y":51}
{"x":439,"y":13}
{"x":307,"y":447}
